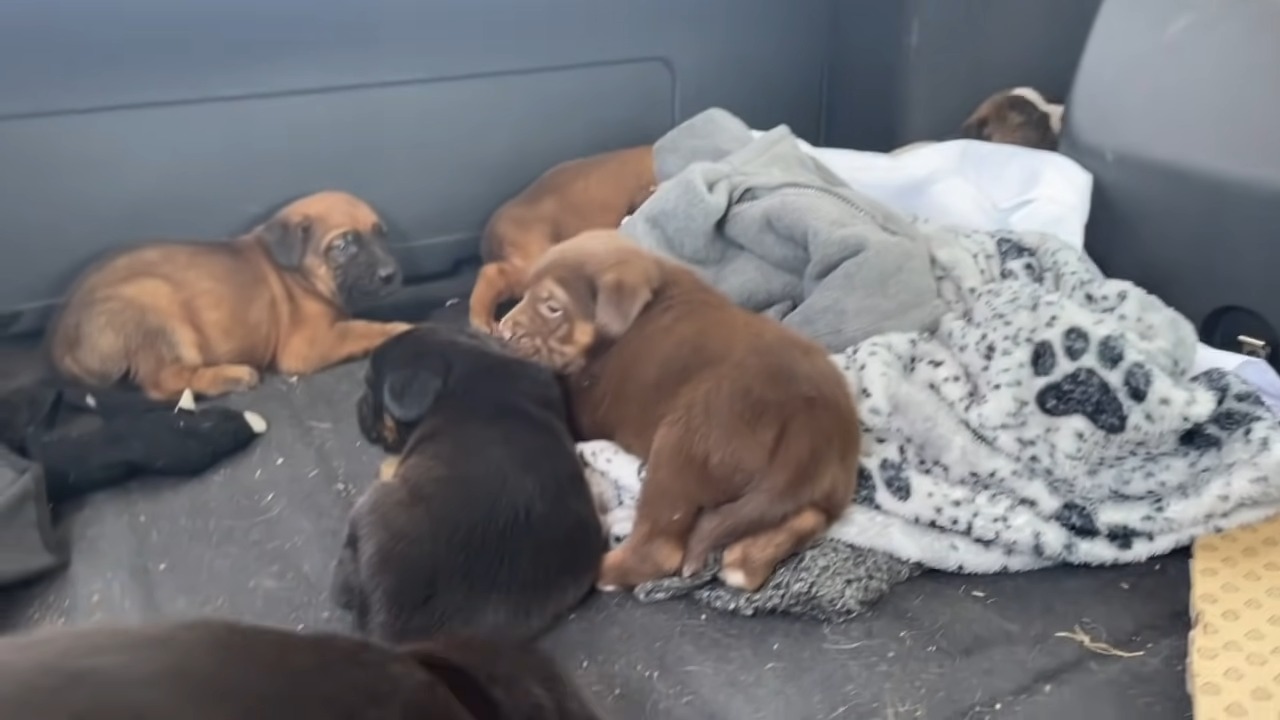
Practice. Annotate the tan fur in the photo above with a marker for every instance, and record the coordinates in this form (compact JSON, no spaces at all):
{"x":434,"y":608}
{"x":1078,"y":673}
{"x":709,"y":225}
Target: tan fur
{"x":570,"y":198}
{"x":388,"y":468}
{"x":748,"y":430}
{"x":213,"y":316}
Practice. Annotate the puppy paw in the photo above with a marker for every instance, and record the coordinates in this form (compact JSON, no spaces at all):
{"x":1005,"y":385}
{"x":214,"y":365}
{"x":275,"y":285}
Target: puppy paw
{"x":488,"y":326}
{"x":627,"y":566}
{"x":256,"y":422}
{"x":387,"y":469}
{"x":745,"y":567}
{"x":742,"y":578}
{"x":225,"y":379}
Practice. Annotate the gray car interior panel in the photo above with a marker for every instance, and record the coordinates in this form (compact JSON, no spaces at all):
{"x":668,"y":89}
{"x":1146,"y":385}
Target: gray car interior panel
{"x":908,"y":70}
{"x":144,"y":118}
{"x":1182,"y":146}
{"x":136,"y":119}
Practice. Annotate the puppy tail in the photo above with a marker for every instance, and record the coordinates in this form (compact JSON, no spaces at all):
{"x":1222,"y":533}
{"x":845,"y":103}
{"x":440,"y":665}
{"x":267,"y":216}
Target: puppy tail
{"x":724,"y":525}
{"x":826,"y":478}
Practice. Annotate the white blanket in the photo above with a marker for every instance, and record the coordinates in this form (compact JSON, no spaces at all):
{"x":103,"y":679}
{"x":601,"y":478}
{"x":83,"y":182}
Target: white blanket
{"x":1052,"y":417}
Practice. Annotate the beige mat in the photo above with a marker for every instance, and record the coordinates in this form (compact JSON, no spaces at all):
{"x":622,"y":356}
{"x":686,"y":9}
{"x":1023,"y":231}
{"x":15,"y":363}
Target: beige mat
{"x":1233,"y":664}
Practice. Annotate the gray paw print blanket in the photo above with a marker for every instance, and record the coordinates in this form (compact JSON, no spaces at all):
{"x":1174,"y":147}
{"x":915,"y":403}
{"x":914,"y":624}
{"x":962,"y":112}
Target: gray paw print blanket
{"x":1044,"y":415}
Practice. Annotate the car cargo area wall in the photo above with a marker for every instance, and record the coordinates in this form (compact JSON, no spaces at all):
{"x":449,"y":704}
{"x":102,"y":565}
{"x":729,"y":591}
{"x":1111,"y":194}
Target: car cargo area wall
{"x":140,"y":119}
{"x":908,"y":70}
{"x":1173,"y":110}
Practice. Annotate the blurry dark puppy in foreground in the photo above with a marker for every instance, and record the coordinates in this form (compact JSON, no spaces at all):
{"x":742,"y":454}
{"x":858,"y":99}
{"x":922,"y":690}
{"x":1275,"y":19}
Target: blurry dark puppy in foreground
{"x":218,"y":670}
{"x":485,"y":523}
{"x":748,"y":430}
{"x":1016,"y":116}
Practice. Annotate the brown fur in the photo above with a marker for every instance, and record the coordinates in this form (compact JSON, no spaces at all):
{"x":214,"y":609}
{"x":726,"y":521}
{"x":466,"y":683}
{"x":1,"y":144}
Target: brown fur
{"x":1015,"y":116}
{"x":749,"y":432}
{"x":570,"y":198}
{"x":212,"y":316}
{"x":224,"y":670}
{"x":1019,"y":116}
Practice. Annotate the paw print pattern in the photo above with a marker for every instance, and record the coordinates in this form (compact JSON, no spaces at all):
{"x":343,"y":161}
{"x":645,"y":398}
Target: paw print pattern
{"x":1226,"y":420}
{"x":892,"y":476}
{"x":1083,"y":390}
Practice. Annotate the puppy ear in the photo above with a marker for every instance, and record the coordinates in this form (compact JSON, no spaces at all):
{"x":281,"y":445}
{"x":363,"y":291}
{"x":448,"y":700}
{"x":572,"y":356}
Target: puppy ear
{"x":409,"y":394}
{"x":286,"y":240}
{"x":621,"y":295}
{"x":465,"y":686}
{"x":975,"y":127}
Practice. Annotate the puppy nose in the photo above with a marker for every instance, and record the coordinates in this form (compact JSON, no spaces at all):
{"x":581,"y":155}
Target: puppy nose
{"x":388,"y":274}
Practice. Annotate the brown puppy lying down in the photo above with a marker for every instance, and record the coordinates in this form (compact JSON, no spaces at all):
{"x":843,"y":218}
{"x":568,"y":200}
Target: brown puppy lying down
{"x":572,"y":197}
{"x":219,"y":670}
{"x":748,"y":430}
{"x":1016,"y":116}
{"x":211,"y":316}
{"x":485,"y":524}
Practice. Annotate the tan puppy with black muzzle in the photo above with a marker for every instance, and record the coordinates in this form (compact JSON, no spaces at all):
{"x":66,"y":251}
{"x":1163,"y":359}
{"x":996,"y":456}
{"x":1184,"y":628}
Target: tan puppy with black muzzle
{"x":211,"y":316}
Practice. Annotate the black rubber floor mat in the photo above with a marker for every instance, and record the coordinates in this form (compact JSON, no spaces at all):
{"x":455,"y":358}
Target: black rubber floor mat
{"x":256,"y":539}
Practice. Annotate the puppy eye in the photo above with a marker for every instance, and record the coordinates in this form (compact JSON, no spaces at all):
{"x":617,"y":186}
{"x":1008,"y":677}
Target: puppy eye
{"x":551,"y":308}
{"x":379,"y":229}
{"x":345,"y":243}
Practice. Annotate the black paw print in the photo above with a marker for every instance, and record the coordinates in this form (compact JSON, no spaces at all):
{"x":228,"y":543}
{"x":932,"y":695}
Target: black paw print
{"x":893,"y":476}
{"x":1225,"y":420}
{"x":1083,"y":390}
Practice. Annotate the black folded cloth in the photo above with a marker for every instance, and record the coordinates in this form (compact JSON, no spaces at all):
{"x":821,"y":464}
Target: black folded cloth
{"x":52,"y":458}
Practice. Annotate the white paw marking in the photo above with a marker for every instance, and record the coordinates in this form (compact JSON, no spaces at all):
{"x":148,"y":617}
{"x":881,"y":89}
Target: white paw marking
{"x":187,"y":401}
{"x":734,"y":578}
{"x":256,"y":422}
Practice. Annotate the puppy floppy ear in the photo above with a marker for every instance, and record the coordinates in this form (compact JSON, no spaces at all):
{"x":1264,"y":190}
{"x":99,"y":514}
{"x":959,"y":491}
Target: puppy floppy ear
{"x":408,"y":394}
{"x":286,"y":240}
{"x":621,"y":295}
{"x":975,"y":127}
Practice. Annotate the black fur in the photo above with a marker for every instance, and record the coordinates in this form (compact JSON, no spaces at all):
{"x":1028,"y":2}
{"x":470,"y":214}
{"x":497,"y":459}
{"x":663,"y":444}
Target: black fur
{"x":489,"y":526}
{"x":363,"y":268}
{"x":112,"y":438}
{"x":221,"y":670}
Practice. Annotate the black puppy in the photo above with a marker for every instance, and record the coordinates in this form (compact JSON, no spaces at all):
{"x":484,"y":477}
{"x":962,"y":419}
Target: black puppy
{"x":486,"y":524}
{"x":220,"y":670}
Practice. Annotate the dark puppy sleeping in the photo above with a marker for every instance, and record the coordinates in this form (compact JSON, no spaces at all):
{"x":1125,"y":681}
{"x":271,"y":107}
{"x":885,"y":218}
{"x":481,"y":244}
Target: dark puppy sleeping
{"x":485,"y":524}
{"x":219,"y":670}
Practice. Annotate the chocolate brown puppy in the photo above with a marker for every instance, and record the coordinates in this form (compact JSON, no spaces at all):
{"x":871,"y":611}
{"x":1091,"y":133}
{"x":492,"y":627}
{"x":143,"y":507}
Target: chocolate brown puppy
{"x":212,"y":316}
{"x":572,"y":197}
{"x":485,"y":523}
{"x":748,"y":430}
{"x":220,"y":670}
